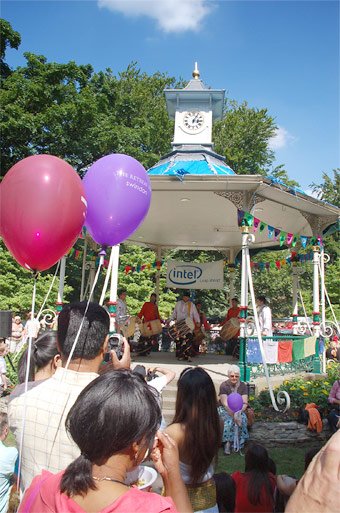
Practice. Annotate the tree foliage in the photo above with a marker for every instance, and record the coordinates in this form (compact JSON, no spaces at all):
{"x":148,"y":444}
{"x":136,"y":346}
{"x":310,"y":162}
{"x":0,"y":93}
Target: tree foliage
{"x":8,"y":38}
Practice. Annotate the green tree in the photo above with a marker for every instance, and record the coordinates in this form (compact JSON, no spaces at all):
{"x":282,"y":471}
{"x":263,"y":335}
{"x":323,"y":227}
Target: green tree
{"x":8,"y":38}
{"x":16,"y":286}
{"x":329,"y":190}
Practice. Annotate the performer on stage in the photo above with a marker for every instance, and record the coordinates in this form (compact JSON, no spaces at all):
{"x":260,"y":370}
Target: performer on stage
{"x":233,"y":312}
{"x":122,"y":312}
{"x":149,"y":311}
{"x":183,"y":309}
{"x":265,"y":316}
{"x":199,"y":332}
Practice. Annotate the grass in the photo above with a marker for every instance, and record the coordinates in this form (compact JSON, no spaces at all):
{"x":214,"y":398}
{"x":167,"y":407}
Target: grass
{"x":289,"y":460}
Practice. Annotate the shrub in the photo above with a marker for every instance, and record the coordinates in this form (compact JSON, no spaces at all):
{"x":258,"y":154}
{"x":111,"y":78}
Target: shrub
{"x":302,"y":392}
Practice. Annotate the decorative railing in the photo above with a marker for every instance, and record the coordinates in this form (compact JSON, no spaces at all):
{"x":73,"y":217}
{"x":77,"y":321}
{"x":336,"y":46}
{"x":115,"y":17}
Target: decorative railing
{"x":285,"y":354}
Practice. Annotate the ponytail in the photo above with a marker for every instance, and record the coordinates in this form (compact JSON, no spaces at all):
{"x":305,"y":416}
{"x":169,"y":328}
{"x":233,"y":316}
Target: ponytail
{"x":77,"y":478}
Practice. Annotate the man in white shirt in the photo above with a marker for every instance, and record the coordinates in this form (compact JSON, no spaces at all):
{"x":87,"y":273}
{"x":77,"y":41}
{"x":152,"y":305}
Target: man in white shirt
{"x":185,"y":309}
{"x":122,"y":313}
{"x":46,"y":444}
{"x":266,"y":327}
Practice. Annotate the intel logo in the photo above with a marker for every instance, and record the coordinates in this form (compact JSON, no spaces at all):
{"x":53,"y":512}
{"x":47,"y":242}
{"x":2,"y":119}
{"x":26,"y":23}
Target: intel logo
{"x":185,"y":274}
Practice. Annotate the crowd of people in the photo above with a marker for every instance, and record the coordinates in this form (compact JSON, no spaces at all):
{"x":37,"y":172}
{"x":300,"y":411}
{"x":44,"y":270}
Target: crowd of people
{"x":88,"y":425}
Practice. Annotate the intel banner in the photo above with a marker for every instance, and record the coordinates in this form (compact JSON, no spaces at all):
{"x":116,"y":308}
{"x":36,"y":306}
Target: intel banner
{"x":187,"y":275}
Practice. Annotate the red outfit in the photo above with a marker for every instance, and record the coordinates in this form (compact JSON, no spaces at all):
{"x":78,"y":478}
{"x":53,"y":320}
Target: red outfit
{"x":232,"y":312}
{"x":242,"y":504}
{"x":149,"y":311}
{"x":44,"y":496}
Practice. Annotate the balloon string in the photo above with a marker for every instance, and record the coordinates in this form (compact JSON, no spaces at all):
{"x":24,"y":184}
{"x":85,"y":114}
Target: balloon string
{"x":101,"y":262}
{"x":49,"y":290}
{"x":29,"y":351}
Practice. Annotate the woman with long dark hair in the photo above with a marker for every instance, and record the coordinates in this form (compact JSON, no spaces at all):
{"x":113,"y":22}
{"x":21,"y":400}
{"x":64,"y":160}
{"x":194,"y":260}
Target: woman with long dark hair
{"x":44,"y":360}
{"x":114,"y":423}
{"x":197,"y":431}
{"x":255,"y":487}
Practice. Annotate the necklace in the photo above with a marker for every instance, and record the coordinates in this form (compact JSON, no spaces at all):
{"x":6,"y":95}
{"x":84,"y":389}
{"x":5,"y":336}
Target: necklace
{"x":107,"y":478}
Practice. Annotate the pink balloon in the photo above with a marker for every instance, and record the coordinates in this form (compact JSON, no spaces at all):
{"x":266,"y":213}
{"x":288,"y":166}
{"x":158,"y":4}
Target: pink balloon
{"x":42,"y":211}
{"x":235,"y":402}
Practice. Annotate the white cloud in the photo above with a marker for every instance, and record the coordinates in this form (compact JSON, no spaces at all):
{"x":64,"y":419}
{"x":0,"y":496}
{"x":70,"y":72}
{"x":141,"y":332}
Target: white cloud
{"x":171,"y":15}
{"x":280,"y":139}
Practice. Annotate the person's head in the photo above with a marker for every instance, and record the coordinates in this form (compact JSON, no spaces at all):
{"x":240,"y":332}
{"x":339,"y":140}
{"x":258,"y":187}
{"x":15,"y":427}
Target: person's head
{"x":185,"y":296}
{"x":4,"y":429}
{"x":234,"y":374}
{"x":261,"y":300}
{"x":196,"y":409}
{"x":153,"y":298}
{"x":29,"y":316}
{"x":93,"y":337}
{"x":257,"y":465}
{"x":17,"y":319}
{"x":225,"y":492}
{"x":234,"y":302}
{"x":44,"y":356}
{"x":309,"y":455}
{"x":198,"y":305}
{"x":122,"y":416}
{"x":333,"y":345}
{"x":122,"y":294}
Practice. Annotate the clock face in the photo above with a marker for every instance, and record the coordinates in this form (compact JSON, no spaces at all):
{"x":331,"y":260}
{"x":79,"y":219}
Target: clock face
{"x":193,"y":121}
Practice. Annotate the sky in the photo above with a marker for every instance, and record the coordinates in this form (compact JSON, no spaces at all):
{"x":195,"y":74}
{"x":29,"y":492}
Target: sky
{"x":279,"y":55}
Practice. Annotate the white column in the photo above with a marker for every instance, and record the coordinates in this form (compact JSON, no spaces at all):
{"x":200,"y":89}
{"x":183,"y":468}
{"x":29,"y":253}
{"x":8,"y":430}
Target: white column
{"x":295,"y":309}
{"x":114,"y":287}
{"x":158,"y":272}
{"x":83,"y":271}
{"x":244,"y":279}
{"x":322,"y":283}
{"x":316,"y":291}
{"x":61,"y":280}
{"x":231,"y":275}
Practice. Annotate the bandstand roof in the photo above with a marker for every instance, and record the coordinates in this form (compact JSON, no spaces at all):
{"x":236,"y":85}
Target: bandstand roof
{"x":200,"y":211}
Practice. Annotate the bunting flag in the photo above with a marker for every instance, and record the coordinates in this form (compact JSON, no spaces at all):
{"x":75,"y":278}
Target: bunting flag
{"x":288,"y":350}
{"x":247,"y":219}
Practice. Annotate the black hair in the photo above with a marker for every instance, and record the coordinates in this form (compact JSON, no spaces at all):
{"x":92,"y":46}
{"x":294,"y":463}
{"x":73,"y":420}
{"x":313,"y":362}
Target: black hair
{"x":235,"y":299}
{"x":44,"y":349}
{"x":262,"y":298}
{"x":121,"y":291}
{"x":112,"y":412}
{"x":272,"y":466}
{"x":93,"y":333}
{"x":196,"y":409}
{"x":225,"y":492}
{"x":153,"y":294}
{"x":257,"y":466}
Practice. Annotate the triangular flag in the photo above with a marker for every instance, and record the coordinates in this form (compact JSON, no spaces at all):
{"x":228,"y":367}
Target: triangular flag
{"x":256,"y":223}
{"x":282,"y":238}
{"x":276,"y":233}
{"x":294,"y":241}
{"x":240,"y":216}
{"x":262,"y":226}
{"x":303,"y":240}
{"x":248,"y":219}
{"x":289,"y":238}
{"x":270,"y":232}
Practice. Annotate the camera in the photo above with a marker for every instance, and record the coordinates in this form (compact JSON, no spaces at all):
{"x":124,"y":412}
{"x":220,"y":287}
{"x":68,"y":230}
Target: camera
{"x":115,"y":344}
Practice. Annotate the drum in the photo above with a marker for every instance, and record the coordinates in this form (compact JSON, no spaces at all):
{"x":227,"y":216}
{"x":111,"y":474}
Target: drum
{"x":198,"y":335}
{"x":151,"y":328}
{"x":230,"y":329}
{"x":181,"y":329}
{"x":128,"y":329}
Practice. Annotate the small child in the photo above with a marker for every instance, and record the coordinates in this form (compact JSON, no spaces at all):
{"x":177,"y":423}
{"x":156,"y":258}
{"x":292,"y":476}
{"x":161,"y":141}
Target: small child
{"x":3,"y":367}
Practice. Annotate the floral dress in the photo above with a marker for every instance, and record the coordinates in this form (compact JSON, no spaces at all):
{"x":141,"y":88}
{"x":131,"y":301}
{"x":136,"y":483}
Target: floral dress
{"x":229,"y":427}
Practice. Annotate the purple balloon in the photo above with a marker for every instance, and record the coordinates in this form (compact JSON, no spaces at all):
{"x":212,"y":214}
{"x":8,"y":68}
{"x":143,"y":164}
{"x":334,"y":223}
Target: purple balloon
{"x":235,"y":402}
{"x":118,"y":194}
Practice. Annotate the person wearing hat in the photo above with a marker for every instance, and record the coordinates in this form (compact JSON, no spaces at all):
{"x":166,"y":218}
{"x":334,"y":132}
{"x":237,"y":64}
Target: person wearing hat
{"x":185,"y":309}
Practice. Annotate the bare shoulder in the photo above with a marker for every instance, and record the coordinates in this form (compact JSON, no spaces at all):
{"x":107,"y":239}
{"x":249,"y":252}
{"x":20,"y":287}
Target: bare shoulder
{"x":176,"y":431}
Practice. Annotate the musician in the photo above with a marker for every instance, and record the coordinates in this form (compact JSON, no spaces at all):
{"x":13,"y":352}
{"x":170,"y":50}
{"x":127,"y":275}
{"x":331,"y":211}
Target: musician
{"x":149,"y":311}
{"x":183,"y":309}
{"x":122,"y":312}
{"x":233,"y":312}
{"x":200,"y":329}
{"x":265,"y":316}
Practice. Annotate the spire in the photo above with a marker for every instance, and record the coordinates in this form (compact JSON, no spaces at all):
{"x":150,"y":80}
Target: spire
{"x":196,"y":73}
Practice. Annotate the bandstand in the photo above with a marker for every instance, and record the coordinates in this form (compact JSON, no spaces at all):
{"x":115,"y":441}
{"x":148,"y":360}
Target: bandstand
{"x":198,"y":202}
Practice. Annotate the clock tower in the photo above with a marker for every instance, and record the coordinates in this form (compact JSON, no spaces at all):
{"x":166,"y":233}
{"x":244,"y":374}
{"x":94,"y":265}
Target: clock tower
{"x":194,"y":109}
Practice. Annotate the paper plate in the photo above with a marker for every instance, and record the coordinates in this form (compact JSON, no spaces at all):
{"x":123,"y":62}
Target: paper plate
{"x":141,"y":476}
